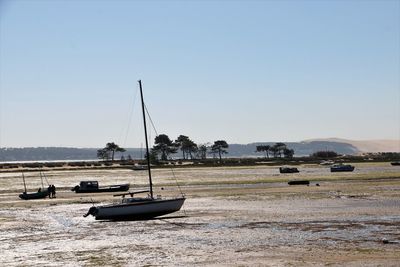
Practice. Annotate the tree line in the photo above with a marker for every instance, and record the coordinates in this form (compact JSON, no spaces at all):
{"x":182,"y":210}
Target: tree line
{"x":164,"y":148}
{"x":277,"y":151}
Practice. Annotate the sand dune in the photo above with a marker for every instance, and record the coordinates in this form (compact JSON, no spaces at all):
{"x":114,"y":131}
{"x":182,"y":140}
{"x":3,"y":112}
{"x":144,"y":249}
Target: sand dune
{"x":373,"y":146}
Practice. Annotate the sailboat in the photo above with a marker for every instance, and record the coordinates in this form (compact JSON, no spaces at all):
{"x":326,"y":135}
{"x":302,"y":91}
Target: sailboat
{"x":138,"y":208}
{"x":41,"y":193}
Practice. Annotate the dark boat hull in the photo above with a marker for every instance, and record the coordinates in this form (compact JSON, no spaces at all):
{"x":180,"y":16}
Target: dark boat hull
{"x":299,"y":182}
{"x":395,"y":163}
{"x":37,"y":195}
{"x":346,"y":168}
{"x":113,"y":188}
{"x":137,"y":210}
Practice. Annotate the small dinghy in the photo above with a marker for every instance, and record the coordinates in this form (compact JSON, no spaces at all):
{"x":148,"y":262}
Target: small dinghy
{"x":41,"y":193}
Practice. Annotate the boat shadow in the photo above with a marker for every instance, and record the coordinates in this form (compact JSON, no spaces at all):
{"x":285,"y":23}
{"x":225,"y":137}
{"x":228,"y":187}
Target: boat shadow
{"x":164,"y":218}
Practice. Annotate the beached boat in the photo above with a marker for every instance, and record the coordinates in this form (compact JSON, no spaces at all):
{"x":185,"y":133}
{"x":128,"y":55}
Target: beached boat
{"x":288,"y":170}
{"x":138,"y":208}
{"x":342,"y":168}
{"x":41,"y":193}
{"x":395,"y":163}
{"x":299,"y":182}
{"x":38,"y":195}
{"x":93,"y":187}
{"x":327,"y":162}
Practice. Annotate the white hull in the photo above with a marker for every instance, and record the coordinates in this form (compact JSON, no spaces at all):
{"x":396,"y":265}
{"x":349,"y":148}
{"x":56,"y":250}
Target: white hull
{"x":137,"y":210}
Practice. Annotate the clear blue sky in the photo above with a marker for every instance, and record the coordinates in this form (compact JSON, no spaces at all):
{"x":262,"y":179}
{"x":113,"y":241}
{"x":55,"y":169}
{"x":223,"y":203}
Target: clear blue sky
{"x":242,"y":71}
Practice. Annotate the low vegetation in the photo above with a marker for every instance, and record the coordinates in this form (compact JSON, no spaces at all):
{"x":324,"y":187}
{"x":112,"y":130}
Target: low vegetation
{"x":185,"y":152}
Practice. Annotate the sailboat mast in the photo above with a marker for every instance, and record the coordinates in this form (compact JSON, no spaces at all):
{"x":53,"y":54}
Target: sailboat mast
{"x":147,"y":143}
{"x":41,"y":178}
{"x":23,"y":178}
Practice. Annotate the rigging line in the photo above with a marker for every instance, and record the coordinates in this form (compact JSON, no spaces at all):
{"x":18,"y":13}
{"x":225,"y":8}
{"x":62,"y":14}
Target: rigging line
{"x":46,"y":179}
{"x":180,"y":189}
{"x":41,"y":179}
{"x":151,"y":121}
{"x":130,"y":117}
{"x":176,"y":180}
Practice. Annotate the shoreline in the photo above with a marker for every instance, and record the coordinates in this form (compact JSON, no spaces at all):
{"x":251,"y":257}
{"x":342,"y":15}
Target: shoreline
{"x":78,"y":165}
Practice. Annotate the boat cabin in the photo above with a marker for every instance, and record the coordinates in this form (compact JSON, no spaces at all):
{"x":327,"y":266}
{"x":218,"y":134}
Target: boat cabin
{"x":88,"y":185}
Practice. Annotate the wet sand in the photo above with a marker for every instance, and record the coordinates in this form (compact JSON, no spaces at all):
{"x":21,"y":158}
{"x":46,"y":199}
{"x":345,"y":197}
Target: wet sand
{"x":232,"y":217}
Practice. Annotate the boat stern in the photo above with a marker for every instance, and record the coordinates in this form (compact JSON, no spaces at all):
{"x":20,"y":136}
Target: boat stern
{"x":92,"y":211}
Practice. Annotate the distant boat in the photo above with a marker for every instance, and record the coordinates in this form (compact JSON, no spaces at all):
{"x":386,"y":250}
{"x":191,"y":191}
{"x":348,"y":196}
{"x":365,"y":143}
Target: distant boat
{"x":41,"y":193}
{"x":93,"y":187}
{"x":395,"y":163}
{"x":327,"y":162}
{"x":342,"y":168}
{"x":138,"y":208}
{"x":288,"y":170}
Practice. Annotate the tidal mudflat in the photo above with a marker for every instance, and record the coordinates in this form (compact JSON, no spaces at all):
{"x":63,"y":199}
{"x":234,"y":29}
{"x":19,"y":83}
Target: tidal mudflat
{"x":232,"y":217}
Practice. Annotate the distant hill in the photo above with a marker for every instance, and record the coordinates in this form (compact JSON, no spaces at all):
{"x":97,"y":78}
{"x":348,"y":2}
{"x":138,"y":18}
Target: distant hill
{"x":363,"y":146}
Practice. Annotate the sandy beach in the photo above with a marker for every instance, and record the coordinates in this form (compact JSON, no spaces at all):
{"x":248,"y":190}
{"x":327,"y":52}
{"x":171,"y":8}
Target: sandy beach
{"x":233,"y":216}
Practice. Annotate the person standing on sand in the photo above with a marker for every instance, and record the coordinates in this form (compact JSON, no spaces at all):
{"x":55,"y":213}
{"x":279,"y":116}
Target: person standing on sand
{"x":53,"y":191}
{"x":49,"y":190}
